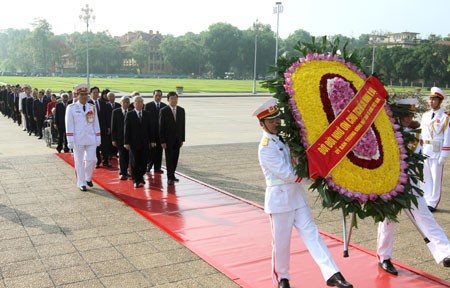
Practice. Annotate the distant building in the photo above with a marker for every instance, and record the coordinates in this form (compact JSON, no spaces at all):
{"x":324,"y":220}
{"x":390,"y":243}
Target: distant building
{"x":402,"y":39}
{"x":155,"y":62}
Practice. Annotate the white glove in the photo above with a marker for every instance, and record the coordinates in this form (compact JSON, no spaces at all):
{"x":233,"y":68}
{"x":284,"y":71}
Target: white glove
{"x":70,"y":145}
{"x":441,"y":160}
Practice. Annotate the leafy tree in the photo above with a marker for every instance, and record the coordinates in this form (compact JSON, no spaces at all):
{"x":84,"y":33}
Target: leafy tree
{"x":221,"y":45}
{"x":139,"y":51}
{"x":40,"y":40}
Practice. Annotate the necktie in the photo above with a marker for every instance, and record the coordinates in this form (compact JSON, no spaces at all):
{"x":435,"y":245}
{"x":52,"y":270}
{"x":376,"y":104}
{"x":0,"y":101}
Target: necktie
{"x":124,"y":112}
{"x":174,"y":112}
{"x":140,"y":116}
{"x":96,"y":105}
{"x":84,"y":108}
{"x":432,"y":115}
{"x":157,"y":106}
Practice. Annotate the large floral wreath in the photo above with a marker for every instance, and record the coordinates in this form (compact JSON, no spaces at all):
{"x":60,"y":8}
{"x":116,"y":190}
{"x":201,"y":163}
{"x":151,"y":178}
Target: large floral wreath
{"x":377,"y":177}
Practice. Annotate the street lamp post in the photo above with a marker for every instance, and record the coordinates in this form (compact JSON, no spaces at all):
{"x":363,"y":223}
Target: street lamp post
{"x":86,"y":16}
{"x":255,"y":27}
{"x":277,"y":10}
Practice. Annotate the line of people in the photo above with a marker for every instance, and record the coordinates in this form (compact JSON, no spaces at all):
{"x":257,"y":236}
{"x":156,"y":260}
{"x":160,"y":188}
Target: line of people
{"x":135,"y":132}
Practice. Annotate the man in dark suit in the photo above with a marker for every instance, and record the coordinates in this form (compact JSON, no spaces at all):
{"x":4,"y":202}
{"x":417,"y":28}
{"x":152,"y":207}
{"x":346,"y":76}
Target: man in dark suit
{"x":60,"y":123}
{"x":16,"y":111}
{"x":117,"y":136}
{"x":172,"y":122}
{"x":137,"y":139}
{"x":104,"y":119}
{"x":30,"y":114}
{"x":111,"y":105}
{"x":153,"y":108}
{"x":39,"y":110}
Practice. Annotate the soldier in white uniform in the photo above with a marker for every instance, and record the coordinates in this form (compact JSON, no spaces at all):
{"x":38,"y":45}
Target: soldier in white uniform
{"x":83,"y":136}
{"x":436,"y":145}
{"x":439,"y":244}
{"x":285,"y":202}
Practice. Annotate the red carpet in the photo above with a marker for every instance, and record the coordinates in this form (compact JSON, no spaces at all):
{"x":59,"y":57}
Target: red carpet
{"x":234,"y":236}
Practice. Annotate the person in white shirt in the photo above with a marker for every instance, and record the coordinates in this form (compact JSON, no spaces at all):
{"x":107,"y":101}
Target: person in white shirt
{"x":436,"y":145}
{"x":83,"y":136}
{"x":285,"y":202}
{"x":438,"y":244}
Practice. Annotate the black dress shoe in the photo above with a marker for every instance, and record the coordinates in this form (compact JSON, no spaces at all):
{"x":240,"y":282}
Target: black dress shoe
{"x":338,"y":280}
{"x":107,"y":164}
{"x":123,"y":177}
{"x":284,"y":283}
{"x":170,"y":182}
{"x":176,"y":179}
{"x":40,"y":137}
{"x":83,"y":188}
{"x":137,"y":185}
{"x":97,"y":166}
{"x":387,"y":266}
{"x":90,"y":184}
{"x":432,"y":209}
{"x":142,"y":181}
{"x":446,"y":262}
{"x":158,"y":171}
{"x":148,"y":168}
{"x":59,"y":150}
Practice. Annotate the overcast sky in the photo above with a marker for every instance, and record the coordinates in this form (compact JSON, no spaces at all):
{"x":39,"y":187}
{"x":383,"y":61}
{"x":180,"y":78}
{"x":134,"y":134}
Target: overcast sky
{"x":176,"y":17}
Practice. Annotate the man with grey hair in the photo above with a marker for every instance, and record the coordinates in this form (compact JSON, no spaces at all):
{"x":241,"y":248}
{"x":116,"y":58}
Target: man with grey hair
{"x":117,"y":135}
{"x":137,"y":139}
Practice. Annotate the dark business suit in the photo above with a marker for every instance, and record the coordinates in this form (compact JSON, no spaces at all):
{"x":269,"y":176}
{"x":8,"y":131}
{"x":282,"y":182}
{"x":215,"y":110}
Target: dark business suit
{"x":39,"y":110}
{"x":110,"y":107}
{"x":137,"y":134}
{"x":104,"y":119}
{"x":155,"y":158}
{"x":172,"y":132}
{"x":117,"y":135}
{"x":29,"y":111}
{"x":17,"y":117}
{"x":60,"y":122}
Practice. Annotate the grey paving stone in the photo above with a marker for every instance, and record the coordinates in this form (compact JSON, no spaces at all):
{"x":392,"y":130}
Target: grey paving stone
{"x":93,"y":283}
{"x":71,"y":274}
{"x":64,"y":260}
{"x":134,"y":249}
{"x":91,"y":243}
{"x":112,"y":267}
{"x":131,"y":280}
{"x":100,"y":255}
{"x":55,"y":249}
{"x":149,"y":260}
{"x":41,"y":280}
{"x":16,"y":269}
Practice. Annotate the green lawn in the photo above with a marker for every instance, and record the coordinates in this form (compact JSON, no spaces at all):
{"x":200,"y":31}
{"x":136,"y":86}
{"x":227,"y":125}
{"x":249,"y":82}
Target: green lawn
{"x":166,"y":85}
{"x":138,"y":84}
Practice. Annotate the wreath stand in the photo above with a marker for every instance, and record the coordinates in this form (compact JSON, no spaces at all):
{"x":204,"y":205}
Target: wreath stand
{"x":348,"y":235}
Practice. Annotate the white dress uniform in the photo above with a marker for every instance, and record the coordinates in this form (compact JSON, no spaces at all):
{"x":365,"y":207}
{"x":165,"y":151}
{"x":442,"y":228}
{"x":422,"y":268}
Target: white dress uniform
{"x":83,"y":133}
{"x":436,"y":145}
{"x":285,"y":201}
{"x":439,"y":244}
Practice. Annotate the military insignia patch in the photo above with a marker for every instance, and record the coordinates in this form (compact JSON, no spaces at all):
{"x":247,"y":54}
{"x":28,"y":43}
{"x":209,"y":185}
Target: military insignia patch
{"x":265,"y":142}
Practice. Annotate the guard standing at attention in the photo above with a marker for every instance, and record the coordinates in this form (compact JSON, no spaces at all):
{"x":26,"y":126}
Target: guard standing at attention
{"x":83,"y":136}
{"x":436,"y":145}
{"x":285,"y":202}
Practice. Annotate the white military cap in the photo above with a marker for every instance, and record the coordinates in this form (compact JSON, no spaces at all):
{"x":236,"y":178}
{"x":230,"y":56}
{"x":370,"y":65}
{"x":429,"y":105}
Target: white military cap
{"x":268,"y":110}
{"x":408,"y":103}
{"x":81,"y":88}
{"x":437,"y":92}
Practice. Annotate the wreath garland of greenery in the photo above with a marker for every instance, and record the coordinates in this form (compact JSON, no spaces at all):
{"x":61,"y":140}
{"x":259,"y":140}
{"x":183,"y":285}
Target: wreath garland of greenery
{"x":380,"y":208}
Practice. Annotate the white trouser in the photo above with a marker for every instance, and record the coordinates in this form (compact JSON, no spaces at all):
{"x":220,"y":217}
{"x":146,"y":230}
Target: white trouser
{"x":439,"y":244}
{"x":432,"y":182}
{"x":302,"y":220}
{"x":85,"y":160}
{"x":24,"y":120}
